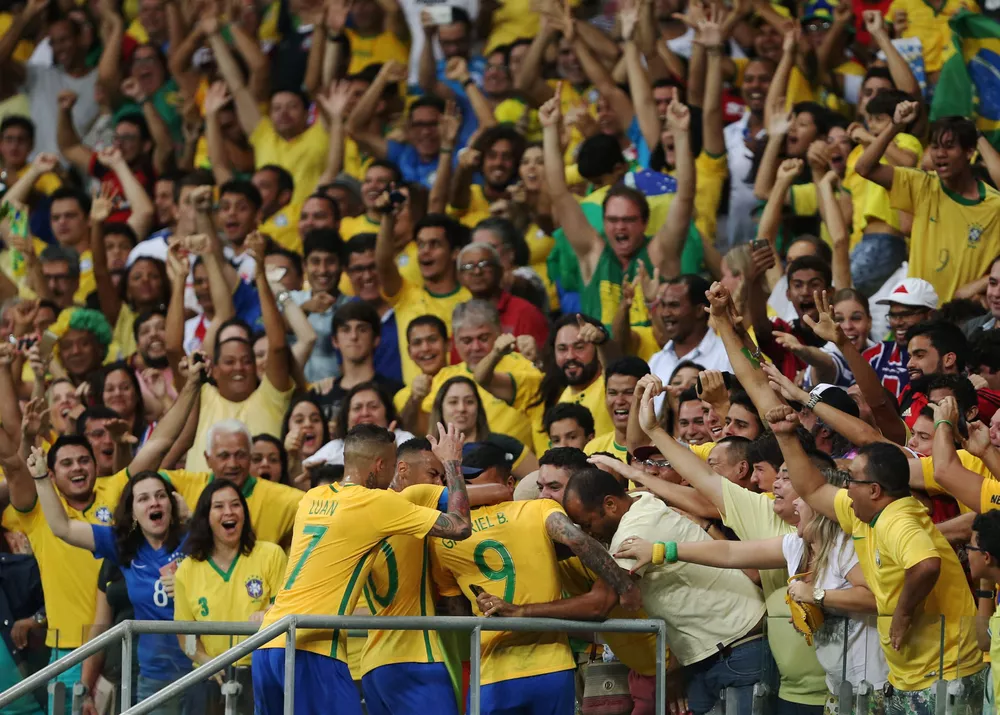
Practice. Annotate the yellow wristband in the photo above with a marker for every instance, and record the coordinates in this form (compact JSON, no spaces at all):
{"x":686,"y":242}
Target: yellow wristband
{"x":659,"y":552}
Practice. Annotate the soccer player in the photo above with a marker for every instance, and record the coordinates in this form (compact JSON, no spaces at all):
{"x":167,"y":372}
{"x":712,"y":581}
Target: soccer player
{"x":512,"y":548}
{"x":338,"y":530}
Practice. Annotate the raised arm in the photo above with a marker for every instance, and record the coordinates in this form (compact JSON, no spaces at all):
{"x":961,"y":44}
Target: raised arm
{"x":274,"y":325}
{"x":601,"y":79}
{"x":595,"y":557}
{"x":868,"y":164}
{"x":168,"y":429}
{"x":385,"y":248}
{"x":963,"y":484}
{"x":638,"y":80}
{"x":363,"y":124}
{"x":530,"y":80}
{"x":441,"y":193}
{"x":838,"y":230}
{"x":687,"y":499}
{"x":334,"y":103}
{"x":178,"y":269}
{"x":581,"y":235}
{"x":455,"y":522}
{"x":14,"y":34}
{"x":899,"y":69}
{"x":668,"y":243}
{"x":500,"y":385}
{"x":163,"y":143}
{"x":108,"y":295}
{"x":991,"y":158}
{"x":764,"y":187}
{"x":142,"y":211}
{"x":75,"y":533}
{"x":258,"y":65}
{"x":216,"y":98}
{"x":109,"y":67}
{"x":247,"y":110}
{"x":70,"y":144}
{"x":807,"y":480}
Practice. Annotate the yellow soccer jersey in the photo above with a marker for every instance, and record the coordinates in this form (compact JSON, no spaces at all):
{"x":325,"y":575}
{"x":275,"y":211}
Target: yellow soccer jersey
{"x":592,"y":397}
{"x":338,"y":530}
{"x":69,"y":574}
{"x":204,"y":592}
{"x":356,"y":161}
{"x":502,"y":418}
{"x":606,"y":443}
{"x":636,"y":650}
{"x":970,"y":462}
{"x":283,"y":227}
{"x":953,"y":239}
{"x":899,"y":537}
{"x":510,"y":555}
{"x":304,"y":156}
{"x":399,"y":585}
{"x":412,"y":301}
{"x":477,"y":210}
{"x":368,"y":50}
{"x":355,"y":225}
{"x":711,"y":172}
{"x":930,"y":26}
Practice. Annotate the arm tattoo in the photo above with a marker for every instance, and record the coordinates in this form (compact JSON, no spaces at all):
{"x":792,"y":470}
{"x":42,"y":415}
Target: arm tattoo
{"x":591,"y":553}
{"x":455,"y":523}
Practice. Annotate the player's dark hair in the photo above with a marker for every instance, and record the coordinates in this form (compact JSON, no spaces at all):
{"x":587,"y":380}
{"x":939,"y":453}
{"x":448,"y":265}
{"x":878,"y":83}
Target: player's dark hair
{"x":360,"y":436}
{"x":128,"y":538}
{"x":945,"y":337}
{"x":592,"y":486}
{"x":412,"y":446}
{"x":326,"y":474}
{"x":568,"y":411}
{"x":569,"y":458}
{"x":201,"y":541}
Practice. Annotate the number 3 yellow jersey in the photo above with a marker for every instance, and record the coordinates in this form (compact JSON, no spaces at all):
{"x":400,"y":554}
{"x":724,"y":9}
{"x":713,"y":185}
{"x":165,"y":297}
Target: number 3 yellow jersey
{"x":399,"y":585}
{"x":511,"y":556}
{"x":338,"y":530}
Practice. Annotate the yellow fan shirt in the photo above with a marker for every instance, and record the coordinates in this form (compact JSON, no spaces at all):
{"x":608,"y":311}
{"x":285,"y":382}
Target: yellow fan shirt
{"x":205,"y":592}
{"x":399,"y":585}
{"x":338,"y":530}
{"x":510,"y":555}
{"x":607,"y":443}
{"x":414,"y":300}
{"x":953,"y":239}
{"x":304,"y":156}
{"x":898,"y":538}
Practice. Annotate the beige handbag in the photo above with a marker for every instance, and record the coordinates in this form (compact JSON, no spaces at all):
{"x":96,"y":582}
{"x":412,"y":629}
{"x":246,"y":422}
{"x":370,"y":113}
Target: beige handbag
{"x":605,"y":688}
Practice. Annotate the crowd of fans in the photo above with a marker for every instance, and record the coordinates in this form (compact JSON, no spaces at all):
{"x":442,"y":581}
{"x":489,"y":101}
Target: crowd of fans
{"x":693,"y":302}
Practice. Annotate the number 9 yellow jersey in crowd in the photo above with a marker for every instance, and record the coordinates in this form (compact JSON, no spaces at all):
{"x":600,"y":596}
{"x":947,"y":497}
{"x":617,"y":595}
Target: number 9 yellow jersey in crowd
{"x":338,"y":530}
{"x":399,"y":585}
{"x":510,"y":555}
{"x":204,"y":592}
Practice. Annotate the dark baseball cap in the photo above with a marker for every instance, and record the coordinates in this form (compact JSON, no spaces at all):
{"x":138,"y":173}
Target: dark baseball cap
{"x":478,"y":457}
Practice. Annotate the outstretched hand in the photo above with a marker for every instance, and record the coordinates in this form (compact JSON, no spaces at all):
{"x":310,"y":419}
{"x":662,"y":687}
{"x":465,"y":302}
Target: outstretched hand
{"x":448,"y":446}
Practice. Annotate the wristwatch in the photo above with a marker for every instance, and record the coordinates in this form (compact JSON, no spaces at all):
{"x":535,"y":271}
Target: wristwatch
{"x":282,"y":297}
{"x":813,"y":400}
{"x":819,"y":594}
{"x":40,"y":618}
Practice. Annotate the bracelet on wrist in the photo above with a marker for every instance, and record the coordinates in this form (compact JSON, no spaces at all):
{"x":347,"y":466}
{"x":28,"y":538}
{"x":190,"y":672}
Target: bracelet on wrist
{"x":38,"y":479}
{"x":446,"y":149}
{"x":671,"y":552}
{"x":659,"y":553}
{"x":986,"y":593}
{"x":943,"y":422}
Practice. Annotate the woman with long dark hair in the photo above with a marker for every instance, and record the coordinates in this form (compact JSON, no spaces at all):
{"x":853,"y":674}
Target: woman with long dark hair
{"x":227,"y":576}
{"x":145,"y":542}
{"x":303,"y":431}
{"x":117,"y":387}
{"x":268,"y":459}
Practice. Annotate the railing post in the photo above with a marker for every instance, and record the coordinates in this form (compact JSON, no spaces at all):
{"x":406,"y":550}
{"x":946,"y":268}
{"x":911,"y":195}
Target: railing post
{"x":57,"y":698}
{"x":231,"y":692}
{"x":475,"y":670}
{"x":661,"y":669}
{"x":290,"y":668}
{"x":79,"y":693}
{"x":127,"y":667}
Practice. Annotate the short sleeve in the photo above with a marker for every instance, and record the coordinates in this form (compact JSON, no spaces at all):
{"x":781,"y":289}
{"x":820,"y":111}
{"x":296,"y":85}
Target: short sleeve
{"x":930,"y":483}
{"x":845,"y":515}
{"x":791,"y":548}
{"x":399,"y":516}
{"x":271,"y":394}
{"x":908,"y":187}
{"x":394,"y":151}
{"x":989,"y":496}
{"x":847,"y":558}
{"x":104,"y":543}
{"x":749,"y":514}
{"x":803,"y":199}
{"x":444,"y":579}
{"x":276,"y":563}
{"x":182,"y":607}
{"x":908,"y":542}
{"x":425,"y":495}
{"x":908,"y":142}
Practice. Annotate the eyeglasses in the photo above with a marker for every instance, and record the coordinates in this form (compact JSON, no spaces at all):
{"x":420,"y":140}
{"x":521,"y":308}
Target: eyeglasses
{"x":358,"y":270}
{"x":970,"y":547}
{"x":821,"y":26}
{"x":852,"y":480}
{"x":657,"y":463}
{"x":481,"y":266}
{"x":903,"y":315}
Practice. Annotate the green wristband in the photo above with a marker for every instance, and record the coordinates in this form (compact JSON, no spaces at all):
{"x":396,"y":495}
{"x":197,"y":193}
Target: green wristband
{"x":670,"y":554}
{"x":943,"y":422}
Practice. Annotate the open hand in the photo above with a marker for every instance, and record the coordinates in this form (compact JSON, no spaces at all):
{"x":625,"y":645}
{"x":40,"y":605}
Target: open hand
{"x":447,"y":448}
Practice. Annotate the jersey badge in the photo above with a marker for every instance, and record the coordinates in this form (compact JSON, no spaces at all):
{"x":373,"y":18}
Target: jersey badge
{"x":255,"y":587}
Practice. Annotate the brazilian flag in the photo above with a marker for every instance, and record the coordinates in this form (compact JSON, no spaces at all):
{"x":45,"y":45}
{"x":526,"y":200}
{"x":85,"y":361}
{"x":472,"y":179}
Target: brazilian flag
{"x":969,"y":85}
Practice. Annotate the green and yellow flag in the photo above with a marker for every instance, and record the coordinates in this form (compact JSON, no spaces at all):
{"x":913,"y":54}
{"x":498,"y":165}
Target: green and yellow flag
{"x":969,"y":84}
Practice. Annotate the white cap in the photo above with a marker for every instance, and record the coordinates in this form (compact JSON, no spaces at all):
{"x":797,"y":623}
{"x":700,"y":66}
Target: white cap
{"x":912,"y":291}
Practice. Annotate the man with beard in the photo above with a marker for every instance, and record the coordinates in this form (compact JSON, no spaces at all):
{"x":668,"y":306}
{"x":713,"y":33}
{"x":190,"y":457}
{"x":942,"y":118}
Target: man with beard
{"x":948,"y":206}
{"x":481,"y":273}
{"x":496,"y":155}
{"x":681,"y":312}
{"x":150,"y":359}
{"x":60,"y":267}
{"x":807,"y":276}
{"x":911,"y":301}
{"x":613,"y":255}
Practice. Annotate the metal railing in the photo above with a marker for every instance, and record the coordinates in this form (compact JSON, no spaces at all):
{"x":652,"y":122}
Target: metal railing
{"x":289,"y":624}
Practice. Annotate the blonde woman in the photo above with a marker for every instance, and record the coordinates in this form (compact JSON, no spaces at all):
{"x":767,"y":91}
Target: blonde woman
{"x":827,"y":574}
